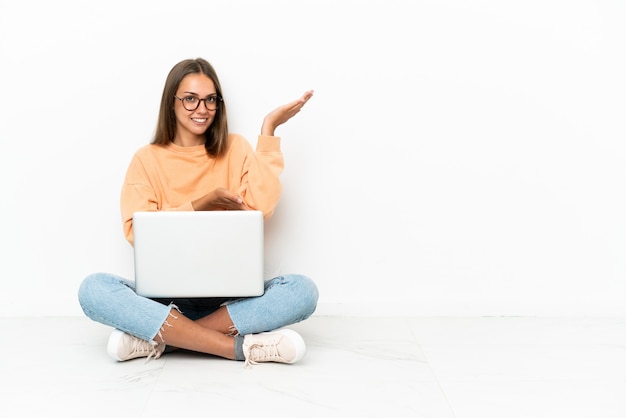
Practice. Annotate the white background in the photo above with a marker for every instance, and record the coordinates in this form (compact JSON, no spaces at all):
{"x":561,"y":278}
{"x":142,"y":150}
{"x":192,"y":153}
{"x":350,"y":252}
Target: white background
{"x":458,"y":158}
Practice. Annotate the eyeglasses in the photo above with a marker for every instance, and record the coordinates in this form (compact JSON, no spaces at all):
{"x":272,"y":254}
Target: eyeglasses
{"x":192,"y":102}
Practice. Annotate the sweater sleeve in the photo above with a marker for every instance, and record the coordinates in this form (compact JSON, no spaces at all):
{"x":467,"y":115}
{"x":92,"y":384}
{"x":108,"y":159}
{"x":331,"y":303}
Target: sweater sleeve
{"x":260,"y":178}
{"x":137,"y":195}
{"x":140,"y":195}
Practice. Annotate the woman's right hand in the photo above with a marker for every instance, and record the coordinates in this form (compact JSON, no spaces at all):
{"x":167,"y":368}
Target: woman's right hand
{"x":219,"y":199}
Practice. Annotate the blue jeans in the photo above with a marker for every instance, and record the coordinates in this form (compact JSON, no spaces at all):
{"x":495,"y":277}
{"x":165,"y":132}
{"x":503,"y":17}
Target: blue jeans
{"x":111,"y":300}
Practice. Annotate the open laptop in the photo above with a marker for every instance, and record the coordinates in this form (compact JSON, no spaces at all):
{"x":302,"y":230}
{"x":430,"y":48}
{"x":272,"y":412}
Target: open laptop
{"x":198,"y":254}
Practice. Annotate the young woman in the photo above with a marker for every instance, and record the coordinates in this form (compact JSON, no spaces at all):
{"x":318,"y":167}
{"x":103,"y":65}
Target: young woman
{"x":195,"y":164}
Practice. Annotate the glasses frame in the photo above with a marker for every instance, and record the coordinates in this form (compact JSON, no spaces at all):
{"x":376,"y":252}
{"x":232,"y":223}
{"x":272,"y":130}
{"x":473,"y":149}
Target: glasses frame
{"x":218,"y":101}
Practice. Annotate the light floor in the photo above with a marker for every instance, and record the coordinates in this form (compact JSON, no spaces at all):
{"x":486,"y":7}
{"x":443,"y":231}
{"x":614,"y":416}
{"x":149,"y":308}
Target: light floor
{"x":354,"y":367}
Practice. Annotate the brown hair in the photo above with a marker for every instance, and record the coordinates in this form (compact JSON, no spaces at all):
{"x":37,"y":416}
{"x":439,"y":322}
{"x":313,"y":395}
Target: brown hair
{"x":217,"y":133}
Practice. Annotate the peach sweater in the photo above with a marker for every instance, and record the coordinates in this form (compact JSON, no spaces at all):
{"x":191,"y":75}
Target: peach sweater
{"x":171,"y":177}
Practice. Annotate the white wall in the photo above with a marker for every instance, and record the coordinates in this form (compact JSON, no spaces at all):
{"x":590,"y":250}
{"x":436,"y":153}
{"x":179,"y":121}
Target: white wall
{"x":458,"y":158}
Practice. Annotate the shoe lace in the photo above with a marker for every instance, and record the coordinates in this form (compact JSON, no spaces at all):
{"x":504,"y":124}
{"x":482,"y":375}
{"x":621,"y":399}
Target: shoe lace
{"x":259,"y":352}
{"x":142,"y":347}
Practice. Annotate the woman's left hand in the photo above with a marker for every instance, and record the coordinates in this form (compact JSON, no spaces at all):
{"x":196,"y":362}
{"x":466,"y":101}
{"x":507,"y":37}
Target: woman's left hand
{"x":283,"y":113}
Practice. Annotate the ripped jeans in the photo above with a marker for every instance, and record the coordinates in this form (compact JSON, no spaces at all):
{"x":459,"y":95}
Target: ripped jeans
{"x":111,"y":300}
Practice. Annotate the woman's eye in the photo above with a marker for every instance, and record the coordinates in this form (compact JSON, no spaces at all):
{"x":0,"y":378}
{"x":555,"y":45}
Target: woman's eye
{"x":190,"y":99}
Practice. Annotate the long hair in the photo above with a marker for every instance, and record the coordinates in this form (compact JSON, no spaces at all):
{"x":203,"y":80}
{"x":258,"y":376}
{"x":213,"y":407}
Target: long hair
{"x":217,"y":133}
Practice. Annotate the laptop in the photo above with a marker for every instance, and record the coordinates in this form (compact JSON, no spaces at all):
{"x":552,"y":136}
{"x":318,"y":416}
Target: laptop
{"x":198,"y":254}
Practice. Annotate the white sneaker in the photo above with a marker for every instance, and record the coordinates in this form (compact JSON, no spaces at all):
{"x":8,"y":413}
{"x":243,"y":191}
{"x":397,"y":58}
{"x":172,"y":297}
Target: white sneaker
{"x":282,"y":346}
{"x":123,"y":346}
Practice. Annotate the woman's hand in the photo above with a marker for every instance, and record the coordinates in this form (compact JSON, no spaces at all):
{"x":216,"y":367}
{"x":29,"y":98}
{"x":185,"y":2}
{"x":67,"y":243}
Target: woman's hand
{"x":219,"y":199}
{"x":283,"y":113}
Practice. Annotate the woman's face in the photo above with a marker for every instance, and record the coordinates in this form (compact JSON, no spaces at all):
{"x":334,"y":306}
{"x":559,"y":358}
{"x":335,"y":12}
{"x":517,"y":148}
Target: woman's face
{"x":192,"y":124}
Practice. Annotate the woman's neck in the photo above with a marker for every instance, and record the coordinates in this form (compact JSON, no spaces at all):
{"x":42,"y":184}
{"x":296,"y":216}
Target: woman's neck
{"x":189,"y":140}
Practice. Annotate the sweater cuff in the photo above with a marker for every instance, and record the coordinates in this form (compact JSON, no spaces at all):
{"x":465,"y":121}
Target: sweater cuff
{"x":267,"y":143}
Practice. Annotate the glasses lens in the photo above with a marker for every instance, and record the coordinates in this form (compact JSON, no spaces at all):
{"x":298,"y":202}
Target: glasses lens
{"x":212,"y":102}
{"x":190,"y":102}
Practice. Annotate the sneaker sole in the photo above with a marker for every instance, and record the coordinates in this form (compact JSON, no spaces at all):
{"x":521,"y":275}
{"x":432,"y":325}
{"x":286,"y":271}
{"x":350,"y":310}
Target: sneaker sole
{"x":114,"y":343}
{"x":298,"y":342}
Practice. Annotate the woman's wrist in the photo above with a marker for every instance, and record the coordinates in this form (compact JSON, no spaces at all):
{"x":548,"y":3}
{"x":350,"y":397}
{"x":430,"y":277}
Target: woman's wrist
{"x":267,"y":128}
